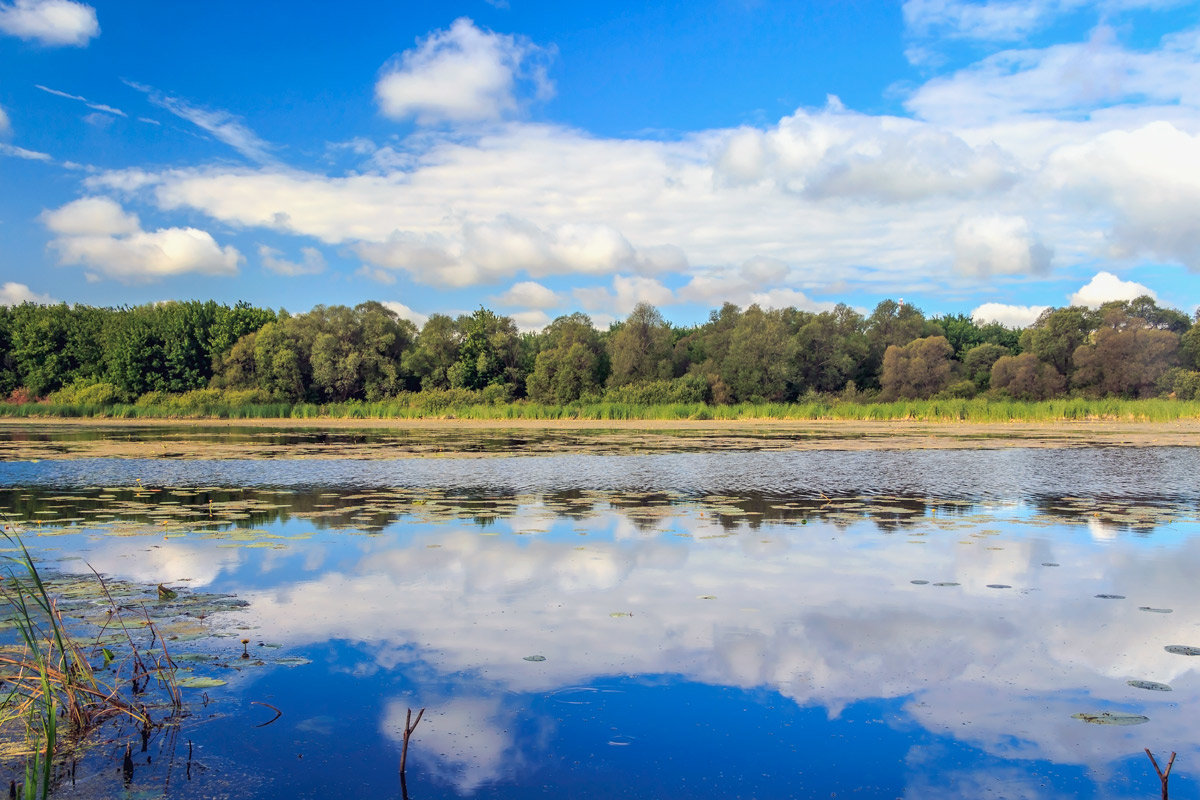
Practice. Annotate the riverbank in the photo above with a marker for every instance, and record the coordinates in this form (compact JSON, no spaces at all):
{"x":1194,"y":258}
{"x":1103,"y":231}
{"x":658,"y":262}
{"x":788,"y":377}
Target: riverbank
{"x":26,"y":439}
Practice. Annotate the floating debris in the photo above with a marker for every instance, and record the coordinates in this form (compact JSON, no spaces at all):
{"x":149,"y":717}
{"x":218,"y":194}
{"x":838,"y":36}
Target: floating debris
{"x":1156,"y":610}
{"x":1153,"y":686}
{"x":999,"y":586}
{"x":1110,"y":596}
{"x":535,"y":658}
{"x":1109,"y":718}
{"x":1182,"y":650}
{"x":200,"y":682}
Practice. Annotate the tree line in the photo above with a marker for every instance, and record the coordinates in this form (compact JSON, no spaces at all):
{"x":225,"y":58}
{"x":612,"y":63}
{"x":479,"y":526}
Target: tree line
{"x":78,"y":354}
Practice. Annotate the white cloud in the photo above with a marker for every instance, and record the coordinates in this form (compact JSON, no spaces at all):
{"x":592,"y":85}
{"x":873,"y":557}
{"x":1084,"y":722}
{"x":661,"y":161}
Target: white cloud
{"x":463,"y":74}
{"x":995,"y":244}
{"x":1105,"y":287}
{"x":50,"y":22}
{"x":404,"y":312}
{"x":627,"y":291}
{"x":96,"y":106}
{"x":833,"y":154}
{"x":532,"y":320}
{"x":311,"y":263}
{"x":1067,"y":80}
{"x":20,"y":152}
{"x":1009,"y":316}
{"x":13,"y":294}
{"x":95,"y":232}
{"x":529,"y":294}
{"x":1005,"y":20}
{"x":5,"y":124}
{"x":222,"y":125}
{"x":789,"y":298}
{"x":1147,"y":180}
{"x":91,"y":216}
{"x":489,"y":250}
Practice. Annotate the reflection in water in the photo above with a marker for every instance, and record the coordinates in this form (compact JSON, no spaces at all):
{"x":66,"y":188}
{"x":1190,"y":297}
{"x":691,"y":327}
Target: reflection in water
{"x":696,"y":643}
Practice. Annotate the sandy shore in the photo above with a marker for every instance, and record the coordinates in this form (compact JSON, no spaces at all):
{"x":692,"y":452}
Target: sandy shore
{"x":380,"y":439}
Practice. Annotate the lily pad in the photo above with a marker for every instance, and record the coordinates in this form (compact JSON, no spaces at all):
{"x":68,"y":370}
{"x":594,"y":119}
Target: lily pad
{"x":946,"y":583}
{"x":999,"y":586}
{"x":1110,"y":596}
{"x":1182,"y":650}
{"x":1153,"y":686}
{"x":1109,"y":718}
{"x":919,"y":582}
{"x":200,"y":682}
{"x":535,"y":658}
{"x":1155,"y":610}
{"x":621,"y":614}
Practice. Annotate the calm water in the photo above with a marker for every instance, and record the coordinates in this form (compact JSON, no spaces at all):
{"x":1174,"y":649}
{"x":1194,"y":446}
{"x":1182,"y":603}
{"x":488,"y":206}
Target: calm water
{"x":746,"y":625}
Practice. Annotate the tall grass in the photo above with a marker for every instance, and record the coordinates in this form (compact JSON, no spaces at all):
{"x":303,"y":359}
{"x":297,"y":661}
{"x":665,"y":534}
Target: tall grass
{"x":447,"y":406}
{"x":52,"y":676}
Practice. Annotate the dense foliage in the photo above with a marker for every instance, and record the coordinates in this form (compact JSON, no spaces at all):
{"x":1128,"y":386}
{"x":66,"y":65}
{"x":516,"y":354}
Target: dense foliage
{"x":210,"y":353}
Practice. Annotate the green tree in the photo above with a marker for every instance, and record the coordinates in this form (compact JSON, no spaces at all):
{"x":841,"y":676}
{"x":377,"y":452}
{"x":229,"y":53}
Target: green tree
{"x":1025,"y":377}
{"x":572,"y":365}
{"x":760,"y":361}
{"x":977,"y":363}
{"x":918,"y":369}
{"x":640,"y":348}
{"x":435,"y":352}
{"x":489,"y":354}
{"x":891,"y":323}
{"x":1055,"y":335}
{"x":830,"y":349}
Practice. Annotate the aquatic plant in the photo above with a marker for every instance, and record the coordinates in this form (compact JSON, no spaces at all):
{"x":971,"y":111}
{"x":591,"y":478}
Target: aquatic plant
{"x":49,"y":675}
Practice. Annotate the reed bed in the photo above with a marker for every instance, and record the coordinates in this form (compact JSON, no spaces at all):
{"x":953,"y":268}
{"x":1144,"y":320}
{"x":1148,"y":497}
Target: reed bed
{"x":418,"y":407}
{"x":52,"y":690}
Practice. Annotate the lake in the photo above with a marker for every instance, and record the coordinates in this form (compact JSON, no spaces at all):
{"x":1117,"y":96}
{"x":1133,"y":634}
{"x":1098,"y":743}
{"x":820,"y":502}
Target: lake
{"x":748,"y":623}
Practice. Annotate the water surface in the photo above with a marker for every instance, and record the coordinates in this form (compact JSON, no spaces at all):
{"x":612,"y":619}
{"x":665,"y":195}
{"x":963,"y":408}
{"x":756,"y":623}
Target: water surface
{"x":745,"y":624}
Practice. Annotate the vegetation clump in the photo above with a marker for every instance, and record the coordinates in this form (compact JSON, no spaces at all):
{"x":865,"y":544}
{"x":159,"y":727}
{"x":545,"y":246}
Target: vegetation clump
{"x":205,"y":359}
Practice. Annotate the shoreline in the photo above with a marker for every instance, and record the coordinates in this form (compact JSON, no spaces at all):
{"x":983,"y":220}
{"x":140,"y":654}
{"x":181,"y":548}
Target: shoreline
{"x":381,"y":439}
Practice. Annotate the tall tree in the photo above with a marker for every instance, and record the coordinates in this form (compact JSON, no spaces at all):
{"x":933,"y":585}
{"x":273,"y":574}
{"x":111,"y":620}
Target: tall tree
{"x":640,"y":348}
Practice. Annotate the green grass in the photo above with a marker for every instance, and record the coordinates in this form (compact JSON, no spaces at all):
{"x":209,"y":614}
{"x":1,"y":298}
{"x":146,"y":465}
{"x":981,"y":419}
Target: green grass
{"x":434,"y":406}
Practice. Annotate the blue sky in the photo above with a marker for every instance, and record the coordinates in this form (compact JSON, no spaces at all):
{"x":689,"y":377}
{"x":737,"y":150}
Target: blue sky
{"x":540,"y":158}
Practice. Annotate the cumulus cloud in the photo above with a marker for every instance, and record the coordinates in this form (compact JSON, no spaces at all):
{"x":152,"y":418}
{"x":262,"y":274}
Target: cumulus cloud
{"x":1148,"y":180}
{"x":5,"y":124}
{"x":404,"y":312}
{"x":627,"y":291}
{"x":1105,"y":287}
{"x":463,"y":74}
{"x":1009,"y":316}
{"x":97,"y":233}
{"x":50,"y":22}
{"x":995,"y":244}
{"x":532,"y":320}
{"x":222,"y":125}
{"x":530,"y":294}
{"x":310,"y":263}
{"x":834,"y":153}
{"x":13,"y":294}
{"x":488,"y":250}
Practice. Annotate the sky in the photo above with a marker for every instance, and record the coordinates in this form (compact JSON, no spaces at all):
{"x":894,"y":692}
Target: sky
{"x":540,"y":158}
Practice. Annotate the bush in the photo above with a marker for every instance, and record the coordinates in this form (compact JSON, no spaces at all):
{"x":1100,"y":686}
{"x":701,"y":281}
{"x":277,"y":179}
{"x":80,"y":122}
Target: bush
{"x":688,"y":389}
{"x":86,"y":392}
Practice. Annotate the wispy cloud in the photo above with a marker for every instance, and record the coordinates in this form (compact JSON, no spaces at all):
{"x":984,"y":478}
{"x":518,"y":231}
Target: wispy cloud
{"x":222,"y":125}
{"x":96,"y":106}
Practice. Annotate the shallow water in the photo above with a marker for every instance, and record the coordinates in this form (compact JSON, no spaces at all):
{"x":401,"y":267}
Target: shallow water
{"x":749,"y":624}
